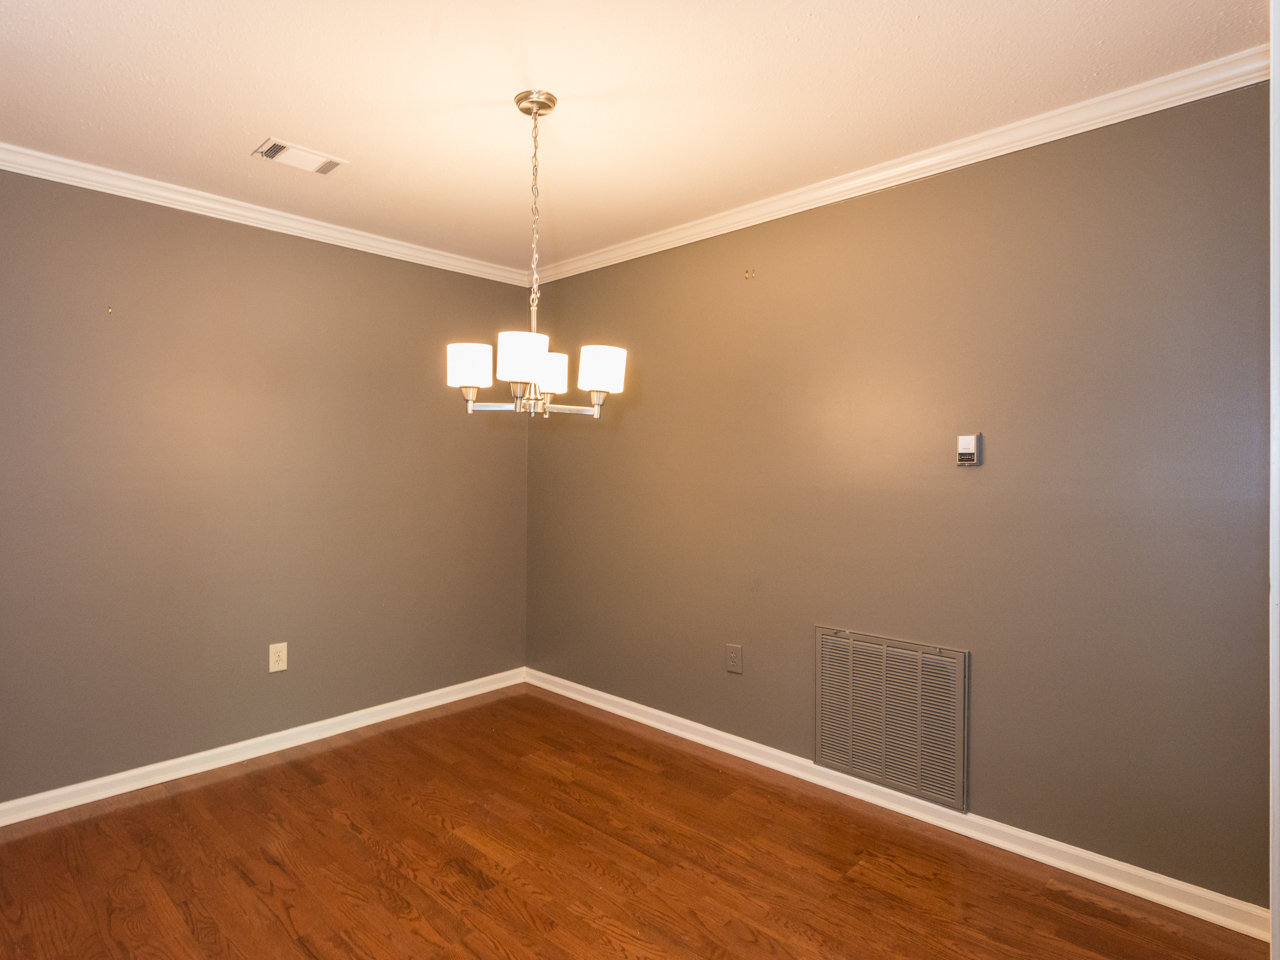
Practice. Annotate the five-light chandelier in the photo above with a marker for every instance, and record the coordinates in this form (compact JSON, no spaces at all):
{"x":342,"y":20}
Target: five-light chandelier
{"x":536,"y":375}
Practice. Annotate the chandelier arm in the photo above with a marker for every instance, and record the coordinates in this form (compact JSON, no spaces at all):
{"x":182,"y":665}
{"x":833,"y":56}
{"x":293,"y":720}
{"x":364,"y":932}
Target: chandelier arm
{"x":565,"y":408}
{"x":550,"y":407}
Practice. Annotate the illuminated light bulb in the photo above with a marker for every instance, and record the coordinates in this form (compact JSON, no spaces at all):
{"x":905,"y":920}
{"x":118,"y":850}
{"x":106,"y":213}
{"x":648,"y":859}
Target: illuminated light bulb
{"x":521,"y":355}
{"x":469,"y":364}
{"x":555,"y":373}
{"x":601,"y":368}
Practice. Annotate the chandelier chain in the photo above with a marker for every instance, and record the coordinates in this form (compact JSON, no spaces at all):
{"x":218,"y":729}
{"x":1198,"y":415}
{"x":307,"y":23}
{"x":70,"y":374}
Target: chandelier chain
{"x":533,"y":294}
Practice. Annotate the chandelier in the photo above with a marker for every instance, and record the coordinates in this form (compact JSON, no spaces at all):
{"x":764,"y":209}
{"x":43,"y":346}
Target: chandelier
{"x":536,"y":376}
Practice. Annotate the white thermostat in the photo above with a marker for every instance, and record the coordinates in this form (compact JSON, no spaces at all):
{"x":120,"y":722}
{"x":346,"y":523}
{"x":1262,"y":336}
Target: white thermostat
{"x":969,"y":451}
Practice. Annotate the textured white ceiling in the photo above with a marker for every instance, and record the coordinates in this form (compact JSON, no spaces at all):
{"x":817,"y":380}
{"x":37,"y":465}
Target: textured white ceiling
{"x":669,"y":111}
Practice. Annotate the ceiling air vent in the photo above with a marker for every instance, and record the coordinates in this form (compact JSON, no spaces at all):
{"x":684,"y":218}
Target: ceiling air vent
{"x":295,"y":156}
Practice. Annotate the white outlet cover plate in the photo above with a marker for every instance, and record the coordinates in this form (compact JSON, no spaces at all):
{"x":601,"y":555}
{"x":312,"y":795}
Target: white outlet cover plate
{"x":277,"y":657}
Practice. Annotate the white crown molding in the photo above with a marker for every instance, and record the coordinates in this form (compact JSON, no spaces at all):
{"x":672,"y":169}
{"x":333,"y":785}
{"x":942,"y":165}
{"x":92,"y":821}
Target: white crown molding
{"x":1196,"y":83}
{"x":1219,"y":76}
{"x":61,"y":798}
{"x":48,"y":167}
{"x":1226,"y":911}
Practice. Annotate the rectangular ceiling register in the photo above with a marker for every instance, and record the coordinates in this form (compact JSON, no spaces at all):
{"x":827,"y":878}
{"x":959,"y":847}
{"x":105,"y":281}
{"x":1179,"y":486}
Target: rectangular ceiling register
{"x":894,"y":713}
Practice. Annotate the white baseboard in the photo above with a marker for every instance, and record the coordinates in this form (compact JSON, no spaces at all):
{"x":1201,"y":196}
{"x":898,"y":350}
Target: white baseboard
{"x":51,"y":801}
{"x":1206,"y":904}
{"x":1226,"y":911}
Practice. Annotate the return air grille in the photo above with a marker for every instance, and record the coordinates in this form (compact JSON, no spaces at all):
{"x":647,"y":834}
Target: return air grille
{"x":835,"y":724}
{"x":894,"y":713}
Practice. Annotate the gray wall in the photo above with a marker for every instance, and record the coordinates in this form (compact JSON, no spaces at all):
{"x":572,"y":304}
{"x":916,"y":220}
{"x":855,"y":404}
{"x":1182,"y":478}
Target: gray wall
{"x":783,"y":456}
{"x":255,"y":444}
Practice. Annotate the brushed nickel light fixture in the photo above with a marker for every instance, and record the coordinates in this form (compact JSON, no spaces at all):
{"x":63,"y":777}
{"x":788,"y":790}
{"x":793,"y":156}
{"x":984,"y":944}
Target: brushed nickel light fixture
{"x":536,"y":376}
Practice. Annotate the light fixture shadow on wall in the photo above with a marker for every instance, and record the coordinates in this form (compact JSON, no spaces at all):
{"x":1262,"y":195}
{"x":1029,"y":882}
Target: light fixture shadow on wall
{"x":536,"y":375}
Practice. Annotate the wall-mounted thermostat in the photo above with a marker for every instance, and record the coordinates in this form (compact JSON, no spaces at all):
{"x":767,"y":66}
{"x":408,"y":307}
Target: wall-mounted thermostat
{"x":969,"y":451}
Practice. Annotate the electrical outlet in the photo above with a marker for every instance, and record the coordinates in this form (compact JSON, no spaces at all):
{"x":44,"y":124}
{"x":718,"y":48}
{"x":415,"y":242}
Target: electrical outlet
{"x":733,"y":657}
{"x":277,"y":657}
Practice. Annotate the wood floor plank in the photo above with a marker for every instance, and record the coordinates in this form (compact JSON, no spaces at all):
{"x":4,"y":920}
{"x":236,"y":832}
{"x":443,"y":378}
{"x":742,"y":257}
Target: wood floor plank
{"x":41,"y":910}
{"x":521,"y":825}
{"x":329,"y":869}
{"x":214,"y":877}
{"x":128,"y":906}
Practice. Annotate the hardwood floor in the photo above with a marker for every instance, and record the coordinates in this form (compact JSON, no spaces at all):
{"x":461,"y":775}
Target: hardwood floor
{"x":523,"y":825}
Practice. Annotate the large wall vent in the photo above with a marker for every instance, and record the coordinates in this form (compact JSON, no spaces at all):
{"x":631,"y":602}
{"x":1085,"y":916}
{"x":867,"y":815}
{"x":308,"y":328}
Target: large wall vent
{"x":895,"y":713}
{"x":295,"y":156}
